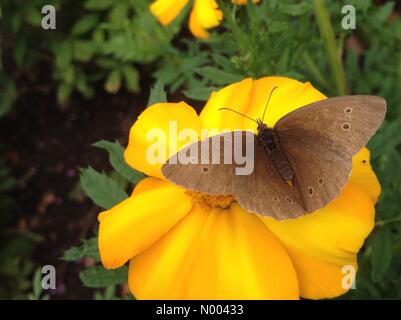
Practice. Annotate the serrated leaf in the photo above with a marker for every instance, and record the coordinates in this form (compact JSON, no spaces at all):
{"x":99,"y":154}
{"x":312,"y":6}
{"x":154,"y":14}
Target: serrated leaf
{"x":296,"y":9}
{"x":85,"y":24}
{"x":384,"y":11}
{"x":88,"y":248}
{"x":113,"y":82}
{"x":37,"y":284}
{"x":131,"y":77}
{"x":217,"y":76}
{"x":201,"y":94}
{"x":83,"y":50}
{"x":116,"y":157}
{"x":381,"y":255}
{"x":63,"y":92}
{"x":157,"y":94}
{"x":99,"y":277}
{"x":103,"y":190}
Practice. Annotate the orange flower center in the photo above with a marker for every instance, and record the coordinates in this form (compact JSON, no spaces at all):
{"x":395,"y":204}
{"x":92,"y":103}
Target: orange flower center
{"x":211,"y":201}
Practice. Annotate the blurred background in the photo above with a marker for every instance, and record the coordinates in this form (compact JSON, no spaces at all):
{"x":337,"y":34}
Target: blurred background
{"x":63,"y":90}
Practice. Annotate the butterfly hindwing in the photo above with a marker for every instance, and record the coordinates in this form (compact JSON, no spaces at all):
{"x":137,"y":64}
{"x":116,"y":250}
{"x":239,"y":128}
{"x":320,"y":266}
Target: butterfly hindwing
{"x":265,"y":192}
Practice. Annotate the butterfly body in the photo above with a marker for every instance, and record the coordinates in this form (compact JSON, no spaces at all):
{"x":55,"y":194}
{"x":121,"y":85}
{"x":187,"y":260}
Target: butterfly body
{"x":270,"y":142}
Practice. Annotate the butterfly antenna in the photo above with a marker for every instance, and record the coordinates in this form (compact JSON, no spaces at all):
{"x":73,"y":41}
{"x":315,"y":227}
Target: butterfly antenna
{"x":268,"y":100}
{"x":239,"y":114}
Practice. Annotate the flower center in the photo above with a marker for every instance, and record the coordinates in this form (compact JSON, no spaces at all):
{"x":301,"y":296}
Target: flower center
{"x":211,"y":201}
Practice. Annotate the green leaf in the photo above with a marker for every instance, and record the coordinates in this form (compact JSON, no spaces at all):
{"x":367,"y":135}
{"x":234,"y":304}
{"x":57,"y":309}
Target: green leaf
{"x":381,"y":256}
{"x":384,"y":11}
{"x":278,"y":26}
{"x":131,"y":78}
{"x":201,"y":94}
{"x":37,"y":284}
{"x":83,"y":50}
{"x":116,"y":157}
{"x":63,"y":92}
{"x":99,"y":4}
{"x":157,"y":94}
{"x":103,"y":190}
{"x":217,"y":76}
{"x":85,"y":24}
{"x":33,"y":15}
{"x":99,"y":277}
{"x":8,"y":94}
{"x":88,"y":248}
{"x":296,"y":9}
{"x":63,"y":52}
{"x":113,"y":82}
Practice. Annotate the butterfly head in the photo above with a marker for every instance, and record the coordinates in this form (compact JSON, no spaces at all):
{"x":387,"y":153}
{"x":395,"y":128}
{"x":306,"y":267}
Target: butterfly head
{"x":261,"y":125}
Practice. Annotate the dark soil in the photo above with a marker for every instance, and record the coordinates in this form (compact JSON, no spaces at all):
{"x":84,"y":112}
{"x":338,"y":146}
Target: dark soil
{"x":46,"y":146}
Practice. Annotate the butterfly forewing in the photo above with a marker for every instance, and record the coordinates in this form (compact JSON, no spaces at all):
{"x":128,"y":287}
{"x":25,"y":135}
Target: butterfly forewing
{"x":212,"y":177}
{"x":320,"y":140}
{"x":342,"y":124}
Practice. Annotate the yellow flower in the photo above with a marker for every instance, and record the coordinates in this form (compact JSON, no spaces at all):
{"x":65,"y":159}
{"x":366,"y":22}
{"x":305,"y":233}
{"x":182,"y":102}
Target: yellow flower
{"x":184,"y":246}
{"x":205,"y":14}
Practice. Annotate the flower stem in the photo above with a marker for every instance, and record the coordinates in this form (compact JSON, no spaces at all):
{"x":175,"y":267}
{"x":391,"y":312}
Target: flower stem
{"x":326,"y":31}
{"x":314,"y":69}
{"x":384,"y":222}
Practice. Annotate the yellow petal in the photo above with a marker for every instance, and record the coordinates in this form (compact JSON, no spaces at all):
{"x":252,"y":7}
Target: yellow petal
{"x":160,"y":271}
{"x":167,"y":10}
{"x":137,"y":222}
{"x":204,"y":15}
{"x":289,"y":95}
{"x":148,"y":184}
{"x":236,"y":97}
{"x":322,"y":243}
{"x":238,"y":258}
{"x":221,"y":254}
{"x":242,"y":2}
{"x":156,"y":125}
{"x":364,"y":176}
{"x":250,"y":97}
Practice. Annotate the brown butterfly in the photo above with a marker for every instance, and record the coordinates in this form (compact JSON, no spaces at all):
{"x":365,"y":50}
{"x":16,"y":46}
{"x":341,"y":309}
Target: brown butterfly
{"x":300,"y":165}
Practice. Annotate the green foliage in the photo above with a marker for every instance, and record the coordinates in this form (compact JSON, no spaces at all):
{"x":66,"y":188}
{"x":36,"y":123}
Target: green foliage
{"x":109,"y":293}
{"x":88,"y":248}
{"x":94,"y":41}
{"x":157,"y":94}
{"x":102,"y":189}
{"x":16,"y":248}
{"x":16,"y":266}
{"x":116,"y":157}
{"x":105,"y":191}
{"x":37,"y":290}
{"x":98,"y":277}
